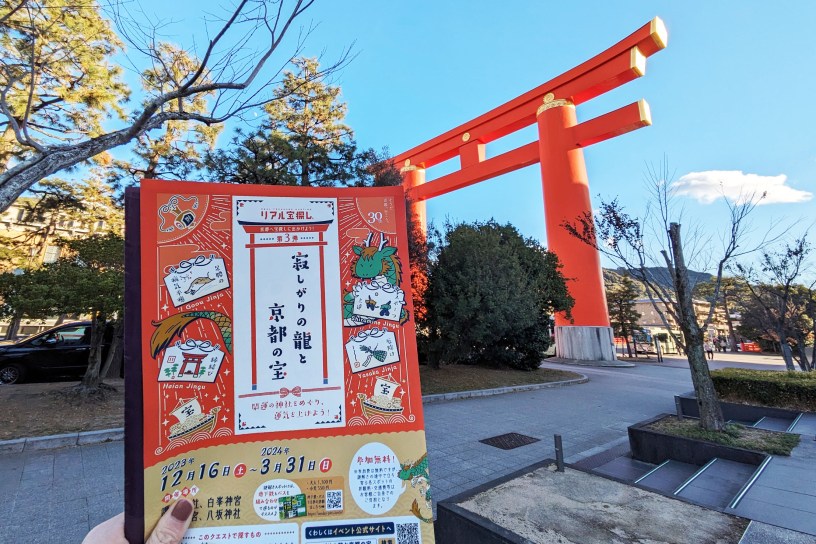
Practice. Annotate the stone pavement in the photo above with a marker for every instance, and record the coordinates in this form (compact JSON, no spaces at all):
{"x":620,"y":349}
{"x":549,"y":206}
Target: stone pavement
{"x":756,"y":361}
{"x":57,"y":495}
{"x":785,"y":492}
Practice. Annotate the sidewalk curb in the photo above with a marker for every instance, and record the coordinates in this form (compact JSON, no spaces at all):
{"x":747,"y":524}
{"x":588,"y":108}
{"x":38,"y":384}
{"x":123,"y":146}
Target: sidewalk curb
{"x":576,"y":362}
{"x":19,"y":445}
{"x":442,"y":397}
{"x":54,"y":441}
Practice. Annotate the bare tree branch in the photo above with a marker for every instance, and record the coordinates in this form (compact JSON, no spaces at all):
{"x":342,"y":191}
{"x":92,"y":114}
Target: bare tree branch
{"x":228,"y":75}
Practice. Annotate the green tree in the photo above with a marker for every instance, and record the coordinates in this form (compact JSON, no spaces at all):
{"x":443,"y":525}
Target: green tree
{"x":57,"y":206}
{"x":26,"y":294}
{"x":772,"y":285}
{"x":59,"y":81}
{"x":303,"y":141}
{"x":491,"y":295}
{"x":177,"y":149}
{"x":91,"y":280}
{"x":620,"y":299}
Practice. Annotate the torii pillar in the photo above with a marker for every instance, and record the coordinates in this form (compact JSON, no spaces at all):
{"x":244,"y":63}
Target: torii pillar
{"x":559,"y":150}
{"x":566,"y":198}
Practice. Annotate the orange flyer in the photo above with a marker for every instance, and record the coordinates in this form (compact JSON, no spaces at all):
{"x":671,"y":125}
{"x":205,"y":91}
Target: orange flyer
{"x":271,"y":365}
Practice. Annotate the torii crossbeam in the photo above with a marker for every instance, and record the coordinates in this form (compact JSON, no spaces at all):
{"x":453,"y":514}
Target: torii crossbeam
{"x":559,"y":151}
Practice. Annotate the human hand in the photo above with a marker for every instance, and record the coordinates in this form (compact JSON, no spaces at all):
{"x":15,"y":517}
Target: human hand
{"x":169,"y":530}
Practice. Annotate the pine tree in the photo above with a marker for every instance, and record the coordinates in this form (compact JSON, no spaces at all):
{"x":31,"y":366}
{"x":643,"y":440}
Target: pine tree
{"x":177,"y":149}
{"x":302,"y":142}
{"x":90,"y":279}
{"x":620,"y":299}
{"x":60,"y":82}
{"x":57,"y":74}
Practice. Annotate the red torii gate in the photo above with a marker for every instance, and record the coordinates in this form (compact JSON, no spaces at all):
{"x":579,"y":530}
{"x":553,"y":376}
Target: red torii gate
{"x":563,"y":171}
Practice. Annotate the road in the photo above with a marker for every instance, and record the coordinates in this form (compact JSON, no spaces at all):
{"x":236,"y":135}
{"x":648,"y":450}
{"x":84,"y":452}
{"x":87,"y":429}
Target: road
{"x":57,"y":495}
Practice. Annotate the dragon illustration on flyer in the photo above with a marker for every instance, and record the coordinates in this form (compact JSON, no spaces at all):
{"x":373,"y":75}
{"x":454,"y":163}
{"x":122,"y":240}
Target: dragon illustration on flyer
{"x":417,"y":474}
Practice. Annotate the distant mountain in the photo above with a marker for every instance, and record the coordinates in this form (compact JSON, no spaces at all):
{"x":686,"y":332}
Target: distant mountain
{"x":660,"y":274}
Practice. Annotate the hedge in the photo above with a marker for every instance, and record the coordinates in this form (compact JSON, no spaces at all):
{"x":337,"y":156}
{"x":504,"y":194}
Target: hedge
{"x":791,"y":390}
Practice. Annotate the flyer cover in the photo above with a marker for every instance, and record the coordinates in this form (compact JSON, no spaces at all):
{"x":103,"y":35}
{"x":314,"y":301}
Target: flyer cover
{"x":272,"y":374}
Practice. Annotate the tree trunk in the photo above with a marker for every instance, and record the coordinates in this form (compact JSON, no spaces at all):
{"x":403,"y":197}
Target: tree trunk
{"x":92,"y":377}
{"x":304,"y":173}
{"x":711,"y":417}
{"x":113,"y":362}
{"x":804,"y":364}
{"x":625,"y":333}
{"x":14,"y":327}
{"x":433,"y":361}
{"x":786,"y":350}
{"x":813,"y":350}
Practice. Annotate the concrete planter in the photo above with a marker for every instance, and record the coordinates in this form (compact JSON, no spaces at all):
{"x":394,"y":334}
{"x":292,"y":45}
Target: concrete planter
{"x":655,"y":447}
{"x":731,"y":410}
{"x":455,"y":525}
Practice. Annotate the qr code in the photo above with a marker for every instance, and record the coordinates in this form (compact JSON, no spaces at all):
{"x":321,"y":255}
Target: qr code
{"x":334,"y":500}
{"x":408,"y":533}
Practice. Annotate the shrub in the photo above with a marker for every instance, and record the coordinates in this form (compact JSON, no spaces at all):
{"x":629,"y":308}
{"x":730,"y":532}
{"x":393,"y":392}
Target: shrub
{"x":490,"y":296}
{"x":794,"y":390}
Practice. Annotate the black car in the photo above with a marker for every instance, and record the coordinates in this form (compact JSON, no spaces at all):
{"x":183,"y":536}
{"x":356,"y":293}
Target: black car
{"x":60,"y":351}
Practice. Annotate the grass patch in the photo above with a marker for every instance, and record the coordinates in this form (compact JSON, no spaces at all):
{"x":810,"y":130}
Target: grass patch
{"x":454,"y":378}
{"x":789,"y":390}
{"x":733,"y":435}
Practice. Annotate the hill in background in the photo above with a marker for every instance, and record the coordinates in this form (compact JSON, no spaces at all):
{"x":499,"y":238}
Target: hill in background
{"x":661,"y":275}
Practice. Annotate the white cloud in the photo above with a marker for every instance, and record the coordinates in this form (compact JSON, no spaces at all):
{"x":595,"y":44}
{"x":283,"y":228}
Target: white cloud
{"x":706,"y":187}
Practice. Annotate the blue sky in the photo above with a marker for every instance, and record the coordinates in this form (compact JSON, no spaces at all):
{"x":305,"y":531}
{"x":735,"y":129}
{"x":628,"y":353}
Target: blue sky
{"x":731,"y":95}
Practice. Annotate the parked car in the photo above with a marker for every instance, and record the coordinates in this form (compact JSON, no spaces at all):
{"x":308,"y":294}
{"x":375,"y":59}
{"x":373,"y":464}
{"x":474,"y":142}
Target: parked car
{"x":60,"y":351}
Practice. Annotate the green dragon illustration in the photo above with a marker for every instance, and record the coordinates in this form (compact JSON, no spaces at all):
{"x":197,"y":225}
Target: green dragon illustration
{"x":373,"y":261}
{"x":417,"y":474}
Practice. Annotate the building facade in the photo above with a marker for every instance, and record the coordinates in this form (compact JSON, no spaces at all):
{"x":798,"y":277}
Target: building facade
{"x":29,"y":238}
{"x":651,"y":321}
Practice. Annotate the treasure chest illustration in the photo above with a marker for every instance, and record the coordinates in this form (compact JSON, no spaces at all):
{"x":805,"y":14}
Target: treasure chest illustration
{"x":191,"y":419}
{"x":382,"y":402}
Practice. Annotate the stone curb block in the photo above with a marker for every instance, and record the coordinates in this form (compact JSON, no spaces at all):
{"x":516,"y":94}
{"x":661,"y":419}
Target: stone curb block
{"x":107,"y":435}
{"x":20,"y":445}
{"x":442,"y":397}
{"x":50,"y":442}
{"x":12,"y":446}
{"x":577,"y":362}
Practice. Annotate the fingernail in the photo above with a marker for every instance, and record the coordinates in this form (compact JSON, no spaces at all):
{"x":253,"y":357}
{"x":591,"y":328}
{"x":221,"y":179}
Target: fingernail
{"x":182,"y":510}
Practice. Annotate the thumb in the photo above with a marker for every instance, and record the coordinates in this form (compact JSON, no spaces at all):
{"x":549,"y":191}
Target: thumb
{"x":173,"y":524}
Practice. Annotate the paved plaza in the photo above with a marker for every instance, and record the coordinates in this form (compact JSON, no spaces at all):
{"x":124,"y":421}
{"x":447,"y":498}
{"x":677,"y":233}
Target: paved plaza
{"x":57,"y":495}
